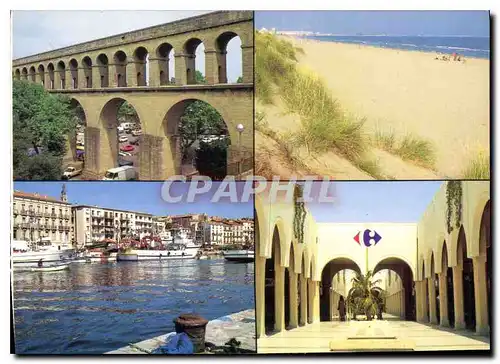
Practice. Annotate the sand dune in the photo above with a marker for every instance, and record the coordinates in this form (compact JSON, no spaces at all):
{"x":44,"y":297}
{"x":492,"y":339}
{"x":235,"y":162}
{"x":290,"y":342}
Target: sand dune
{"x":410,"y":92}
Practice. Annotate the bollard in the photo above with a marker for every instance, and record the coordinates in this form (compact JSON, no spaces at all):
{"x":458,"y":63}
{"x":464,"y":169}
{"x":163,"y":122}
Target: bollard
{"x":194,"y":326}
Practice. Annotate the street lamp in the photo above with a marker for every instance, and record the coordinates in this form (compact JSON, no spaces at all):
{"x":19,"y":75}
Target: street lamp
{"x":240,"y":129}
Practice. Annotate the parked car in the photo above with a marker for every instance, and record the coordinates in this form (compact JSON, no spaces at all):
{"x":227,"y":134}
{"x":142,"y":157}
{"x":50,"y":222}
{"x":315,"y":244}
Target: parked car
{"x":123,"y":162}
{"x":122,"y":139}
{"x":124,"y":173}
{"x":124,"y":154}
{"x":136,"y":132}
{"x":71,"y":172}
{"x":127,"y":148}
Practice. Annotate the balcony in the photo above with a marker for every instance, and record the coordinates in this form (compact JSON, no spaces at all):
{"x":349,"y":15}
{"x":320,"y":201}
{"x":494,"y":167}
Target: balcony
{"x":24,"y":212}
{"x":38,"y":213}
{"x":66,"y":228}
{"x":53,"y":215}
{"x":53,"y":227}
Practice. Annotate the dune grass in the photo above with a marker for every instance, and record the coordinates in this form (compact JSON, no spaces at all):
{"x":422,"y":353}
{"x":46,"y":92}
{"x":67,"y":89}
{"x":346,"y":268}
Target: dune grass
{"x":410,"y":148}
{"x":324,"y":126}
{"x":478,"y":167}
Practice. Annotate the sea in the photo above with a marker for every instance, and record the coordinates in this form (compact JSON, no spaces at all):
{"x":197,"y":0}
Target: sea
{"x":477,"y":47}
{"x":95,"y":308}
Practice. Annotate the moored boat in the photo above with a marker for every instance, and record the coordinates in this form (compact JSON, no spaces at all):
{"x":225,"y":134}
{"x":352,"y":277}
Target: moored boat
{"x":52,"y":268}
{"x":25,"y":254}
{"x":243,"y":256}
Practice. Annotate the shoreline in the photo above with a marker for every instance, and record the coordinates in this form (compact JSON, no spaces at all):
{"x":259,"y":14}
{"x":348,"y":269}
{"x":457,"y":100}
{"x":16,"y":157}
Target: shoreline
{"x":432,"y":53}
{"x":239,"y":325}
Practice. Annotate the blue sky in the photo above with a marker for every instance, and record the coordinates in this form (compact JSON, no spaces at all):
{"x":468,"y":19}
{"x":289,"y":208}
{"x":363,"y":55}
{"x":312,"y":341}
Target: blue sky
{"x":376,"y":201}
{"x":40,"y":31}
{"x":140,"y":197}
{"x":441,"y":23}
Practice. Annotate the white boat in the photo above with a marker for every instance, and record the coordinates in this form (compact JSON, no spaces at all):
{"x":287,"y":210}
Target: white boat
{"x":243,"y":256}
{"x":52,"y":268}
{"x":181,"y":248}
{"x":25,"y":254}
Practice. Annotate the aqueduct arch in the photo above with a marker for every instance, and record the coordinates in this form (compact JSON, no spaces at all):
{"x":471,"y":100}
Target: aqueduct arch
{"x":98,"y":71}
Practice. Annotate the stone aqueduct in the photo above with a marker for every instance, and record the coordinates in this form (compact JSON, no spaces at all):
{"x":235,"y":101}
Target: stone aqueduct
{"x":103,"y":73}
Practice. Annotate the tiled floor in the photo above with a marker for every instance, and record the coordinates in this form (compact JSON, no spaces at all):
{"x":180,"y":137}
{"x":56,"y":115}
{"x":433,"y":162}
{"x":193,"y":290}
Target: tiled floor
{"x":363,"y":335}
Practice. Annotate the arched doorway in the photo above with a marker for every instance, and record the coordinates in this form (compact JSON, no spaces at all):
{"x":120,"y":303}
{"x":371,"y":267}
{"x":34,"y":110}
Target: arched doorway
{"x":87,"y":72}
{"x":120,"y":135}
{"x":331,"y":269}
{"x":468,"y":282}
{"x":24,"y":73}
{"x":197,"y":140}
{"x":404,"y":271}
{"x":270,"y":286}
{"x":229,"y":58}
{"x":73,"y":67}
{"x":51,"y":72}
{"x":485,"y":249}
{"x":41,"y":74}
{"x":141,"y":59}
{"x":103,"y":64}
{"x":61,"y":75}
{"x":120,"y":61}
{"x":194,"y":51}
{"x":449,"y":285}
{"x":165,"y":64}
{"x":17,"y":74}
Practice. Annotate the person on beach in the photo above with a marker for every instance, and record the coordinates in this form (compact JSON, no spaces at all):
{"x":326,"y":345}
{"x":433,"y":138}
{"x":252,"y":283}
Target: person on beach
{"x":341,"y":308}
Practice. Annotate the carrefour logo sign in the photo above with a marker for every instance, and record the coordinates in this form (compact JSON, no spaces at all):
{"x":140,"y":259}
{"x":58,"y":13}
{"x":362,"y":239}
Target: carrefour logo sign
{"x":368,"y":237}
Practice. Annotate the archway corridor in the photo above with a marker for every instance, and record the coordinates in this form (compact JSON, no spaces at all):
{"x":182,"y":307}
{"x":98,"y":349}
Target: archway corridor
{"x":376,"y":287}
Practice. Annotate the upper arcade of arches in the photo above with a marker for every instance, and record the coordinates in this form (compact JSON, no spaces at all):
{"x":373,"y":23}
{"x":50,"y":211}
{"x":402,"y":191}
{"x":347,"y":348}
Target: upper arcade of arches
{"x":145,"y":52}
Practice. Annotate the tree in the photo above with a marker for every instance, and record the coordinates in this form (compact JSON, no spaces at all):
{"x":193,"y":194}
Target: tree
{"x":126,"y":112}
{"x":365,"y":297}
{"x":211,"y":159}
{"x":41,"y":123}
{"x":199,"y":78}
{"x":199,"y":118}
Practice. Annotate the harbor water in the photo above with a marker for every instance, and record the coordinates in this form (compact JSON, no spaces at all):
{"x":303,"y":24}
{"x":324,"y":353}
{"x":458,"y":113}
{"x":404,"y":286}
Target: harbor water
{"x":95,"y":308}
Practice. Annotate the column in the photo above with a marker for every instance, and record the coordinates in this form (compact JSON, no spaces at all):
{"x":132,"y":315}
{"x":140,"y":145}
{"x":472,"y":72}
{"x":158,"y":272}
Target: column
{"x":260,"y":264}
{"x":279,"y":297}
{"x":39,"y":77}
{"x":432,"y":300}
{"x":418,"y":300}
{"x":57,"y":80}
{"x":315,"y":299}
{"x":247,"y":59}
{"x":151,"y":157}
{"x":303,"y":300}
{"x":211,"y":66}
{"x":443,"y":300}
{"x":402,"y":303}
{"x":92,"y":145}
{"x":157,"y":65}
{"x":131,"y":73}
{"x":82,"y":78}
{"x":222,"y":66}
{"x":425,"y":298}
{"x":458,"y":298}
{"x":294,"y":314}
{"x":481,"y":295}
{"x":180,"y":69}
{"x":112,"y":74}
{"x":46,"y":81}
{"x":96,"y":77}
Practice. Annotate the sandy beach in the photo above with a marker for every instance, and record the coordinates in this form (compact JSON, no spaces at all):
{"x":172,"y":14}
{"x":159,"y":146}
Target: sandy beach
{"x":409,"y":92}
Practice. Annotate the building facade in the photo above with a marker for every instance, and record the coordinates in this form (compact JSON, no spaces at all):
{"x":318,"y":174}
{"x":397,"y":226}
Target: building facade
{"x":36,"y":216}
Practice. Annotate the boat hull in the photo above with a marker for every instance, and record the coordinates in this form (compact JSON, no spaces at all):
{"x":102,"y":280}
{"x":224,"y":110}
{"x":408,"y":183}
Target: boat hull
{"x":142,"y":255}
{"x":239,"y":256}
{"x":30,"y":259}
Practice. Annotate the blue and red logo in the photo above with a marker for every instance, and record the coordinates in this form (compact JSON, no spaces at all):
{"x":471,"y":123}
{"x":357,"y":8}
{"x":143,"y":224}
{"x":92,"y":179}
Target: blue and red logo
{"x":368,"y":237}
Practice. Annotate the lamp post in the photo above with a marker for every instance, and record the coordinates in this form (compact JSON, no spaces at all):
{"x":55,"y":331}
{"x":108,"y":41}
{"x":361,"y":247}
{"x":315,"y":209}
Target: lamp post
{"x":240,"y":129}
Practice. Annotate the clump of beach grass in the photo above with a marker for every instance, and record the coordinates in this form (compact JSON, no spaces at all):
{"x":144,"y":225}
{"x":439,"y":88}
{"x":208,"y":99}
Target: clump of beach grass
{"x":478,"y":167}
{"x":410,"y":148}
{"x":324,"y":126}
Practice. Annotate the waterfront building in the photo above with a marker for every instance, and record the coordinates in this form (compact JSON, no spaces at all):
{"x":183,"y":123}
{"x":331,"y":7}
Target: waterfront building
{"x":93,"y":224}
{"x":37,"y":216}
{"x":440,"y":266}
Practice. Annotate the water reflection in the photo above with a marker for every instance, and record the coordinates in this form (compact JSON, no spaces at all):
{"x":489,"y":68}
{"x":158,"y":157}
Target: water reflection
{"x":94,"y":308}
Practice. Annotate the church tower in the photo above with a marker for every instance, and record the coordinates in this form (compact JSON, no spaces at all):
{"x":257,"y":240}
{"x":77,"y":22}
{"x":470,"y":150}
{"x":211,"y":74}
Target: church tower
{"x":64,"y":197}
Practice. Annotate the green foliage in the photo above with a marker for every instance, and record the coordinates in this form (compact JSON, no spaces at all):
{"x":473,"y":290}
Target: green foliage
{"x":453,"y":204}
{"x":42,"y":121}
{"x":239,"y":80}
{"x":127,"y":113}
{"x":211,"y":160}
{"x":199,"y":118}
{"x":199,"y":78}
{"x":365,"y":297}
{"x":478,"y":167}
{"x":299,"y":214}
